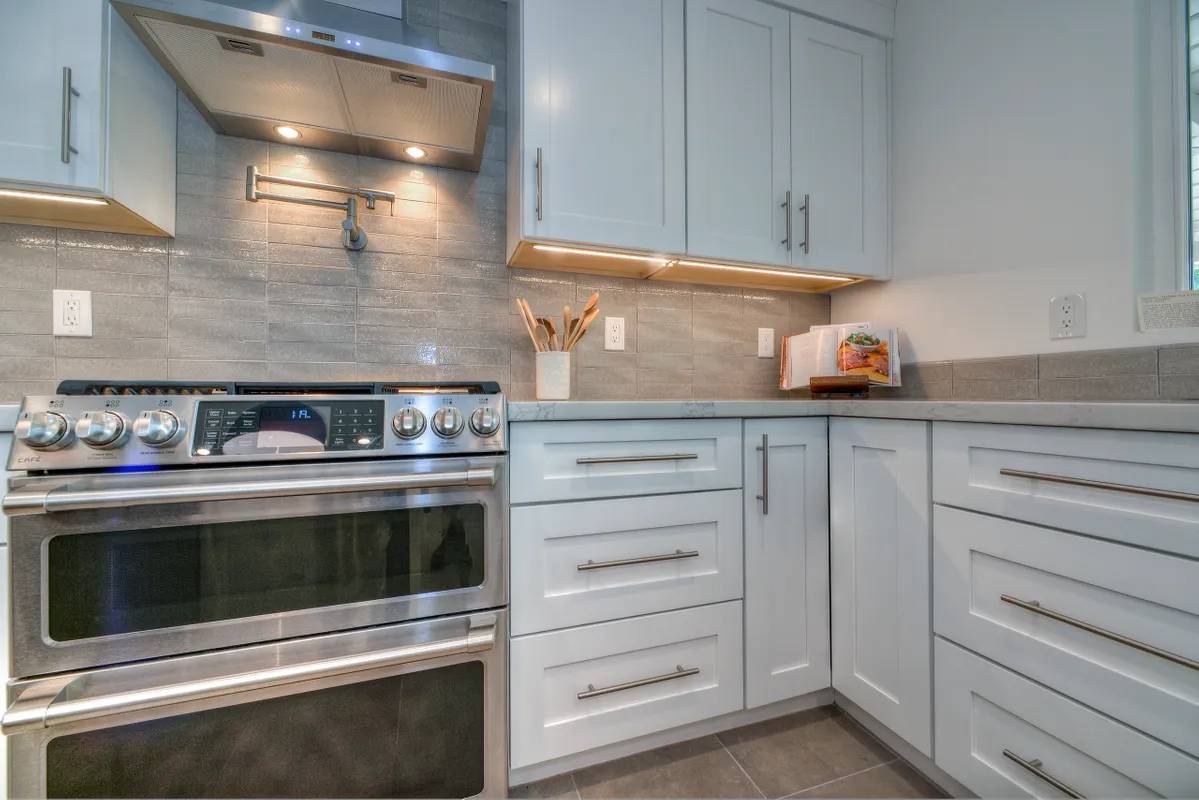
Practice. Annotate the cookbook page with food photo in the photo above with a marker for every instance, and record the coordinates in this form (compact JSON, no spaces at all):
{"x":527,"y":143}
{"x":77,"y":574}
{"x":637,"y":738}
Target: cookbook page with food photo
{"x":855,"y":348}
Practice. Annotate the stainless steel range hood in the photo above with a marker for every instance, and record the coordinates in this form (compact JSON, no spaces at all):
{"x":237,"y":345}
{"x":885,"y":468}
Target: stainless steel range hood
{"x":345,"y":79}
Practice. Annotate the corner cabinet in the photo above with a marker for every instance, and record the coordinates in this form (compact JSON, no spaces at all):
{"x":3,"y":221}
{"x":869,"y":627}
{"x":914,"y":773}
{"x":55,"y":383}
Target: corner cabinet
{"x":93,"y":115}
{"x":597,"y":144}
{"x":786,"y":559}
{"x":880,"y":508}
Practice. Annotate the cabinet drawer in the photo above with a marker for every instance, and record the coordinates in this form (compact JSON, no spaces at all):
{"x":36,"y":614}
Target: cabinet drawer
{"x":1145,"y":597}
{"x":575,"y":563}
{"x":984,"y":711}
{"x":577,"y":689}
{"x":1141,"y":488}
{"x":580,"y":460}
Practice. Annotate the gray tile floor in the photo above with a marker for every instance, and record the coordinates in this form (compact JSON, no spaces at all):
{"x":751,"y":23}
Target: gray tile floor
{"x":816,"y":753}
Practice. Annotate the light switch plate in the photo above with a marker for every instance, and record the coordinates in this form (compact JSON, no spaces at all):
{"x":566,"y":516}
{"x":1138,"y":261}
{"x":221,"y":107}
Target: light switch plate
{"x":765,"y":342}
{"x":72,"y":312}
{"x":614,"y":333}
{"x":1067,"y":316}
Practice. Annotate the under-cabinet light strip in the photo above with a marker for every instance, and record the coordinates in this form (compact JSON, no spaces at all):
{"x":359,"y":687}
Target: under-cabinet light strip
{"x":57,"y":198}
{"x":669,"y":262}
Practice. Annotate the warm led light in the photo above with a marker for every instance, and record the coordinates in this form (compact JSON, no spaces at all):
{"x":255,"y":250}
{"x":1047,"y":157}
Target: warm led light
{"x":287,"y":132}
{"x":365,"y":440}
{"x":414,"y":152}
{"x":575,"y":251}
{"x":763,"y":271}
{"x":56,"y":198}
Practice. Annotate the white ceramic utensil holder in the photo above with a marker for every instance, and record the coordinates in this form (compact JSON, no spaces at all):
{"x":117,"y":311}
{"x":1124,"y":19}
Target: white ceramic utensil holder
{"x":553,"y":375}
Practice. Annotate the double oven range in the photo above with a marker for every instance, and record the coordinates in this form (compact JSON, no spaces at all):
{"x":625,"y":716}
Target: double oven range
{"x":250,"y":590}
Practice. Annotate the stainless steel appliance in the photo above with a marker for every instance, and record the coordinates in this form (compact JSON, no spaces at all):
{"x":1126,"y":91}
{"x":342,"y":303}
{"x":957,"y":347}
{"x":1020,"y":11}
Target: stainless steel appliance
{"x":322,"y":75}
{"x":307,"y":576}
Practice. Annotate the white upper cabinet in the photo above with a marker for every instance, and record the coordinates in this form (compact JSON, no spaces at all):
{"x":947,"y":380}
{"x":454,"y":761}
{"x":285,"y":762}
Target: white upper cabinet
{"x":738,"y":130}
{"x":602,"y":154}
{"x":881,"y":539}
{"x":786,"y":559}
{"x":839,"y":148}
{"x":89,"y":113}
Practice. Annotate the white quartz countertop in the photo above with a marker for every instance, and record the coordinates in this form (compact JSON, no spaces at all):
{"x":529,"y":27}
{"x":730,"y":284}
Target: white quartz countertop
{"x":1180,"y":417}
{"x":8,"y":415}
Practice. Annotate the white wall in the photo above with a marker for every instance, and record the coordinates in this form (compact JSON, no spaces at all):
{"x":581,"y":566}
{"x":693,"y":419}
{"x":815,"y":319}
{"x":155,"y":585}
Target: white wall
{"x":1032,"y":155}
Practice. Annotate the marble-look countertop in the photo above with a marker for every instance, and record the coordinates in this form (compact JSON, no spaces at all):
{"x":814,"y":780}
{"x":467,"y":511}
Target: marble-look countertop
{"x":1179,"y":417}
{"x":8,"y":416}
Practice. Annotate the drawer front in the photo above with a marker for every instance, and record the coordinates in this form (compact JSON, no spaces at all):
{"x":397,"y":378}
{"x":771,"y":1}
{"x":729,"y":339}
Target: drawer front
{"x":1140,"y":488}
{"x":581,"y":688}
{"x":984,"y":711}
{"x":576,"y":563}
{"x":581,"y":460}
{"x":1140,"y":596}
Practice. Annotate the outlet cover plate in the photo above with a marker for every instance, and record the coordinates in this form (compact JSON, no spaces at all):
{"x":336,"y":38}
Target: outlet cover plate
{"x":1067,"y":316}
{"x":765,"y":342}
{"x":614,"y":333}
{"x":72,"y":310}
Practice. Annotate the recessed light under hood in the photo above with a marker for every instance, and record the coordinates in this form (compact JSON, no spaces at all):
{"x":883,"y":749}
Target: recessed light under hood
{"x":345,"y":79}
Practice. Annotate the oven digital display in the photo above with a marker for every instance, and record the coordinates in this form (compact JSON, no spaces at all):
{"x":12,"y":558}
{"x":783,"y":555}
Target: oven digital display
{"x":292,"y":425}
{"x":272,"y":428}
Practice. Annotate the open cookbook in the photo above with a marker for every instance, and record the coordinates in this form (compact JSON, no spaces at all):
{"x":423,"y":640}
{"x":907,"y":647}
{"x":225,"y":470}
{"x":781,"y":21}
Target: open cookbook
{"x":854,"y":348}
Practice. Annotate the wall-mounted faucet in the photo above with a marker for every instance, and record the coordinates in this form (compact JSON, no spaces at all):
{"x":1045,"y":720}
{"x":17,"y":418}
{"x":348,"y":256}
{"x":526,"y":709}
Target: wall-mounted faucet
{"x":353,"y":237}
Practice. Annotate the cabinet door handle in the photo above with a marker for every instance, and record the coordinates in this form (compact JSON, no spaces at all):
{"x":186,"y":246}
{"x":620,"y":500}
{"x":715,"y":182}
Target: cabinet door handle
{"x":764,"y":449}
{"x":68,"y":91}
{"x":787,"y":220}
{"x":1034,"y":766}
{"x":1111,"y":487}
{"x":679,"y":672}
{"x":537,"y":169}
{"x":634,"y":459}
{"x":626,"y":562}
{"x":806,"y":208}
{"x":1036,"y":608}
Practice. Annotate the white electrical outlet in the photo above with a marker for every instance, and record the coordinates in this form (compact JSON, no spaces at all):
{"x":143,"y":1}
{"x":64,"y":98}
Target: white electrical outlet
{"x":614,"y":333}
{"x":1067,"y":316}
{"x":72,"y":312}
{"x":765,"y":342}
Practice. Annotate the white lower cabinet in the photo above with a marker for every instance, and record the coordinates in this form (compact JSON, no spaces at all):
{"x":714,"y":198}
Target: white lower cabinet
{"x":880,"y":514}
{"x":786,"y":559}
{"x":577,"y":689}
{"x":1004,"y":736}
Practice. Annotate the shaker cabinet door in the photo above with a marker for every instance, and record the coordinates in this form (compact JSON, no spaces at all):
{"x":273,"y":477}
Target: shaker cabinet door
{"x":738,"y":130}
{"x":786,"y":559}
{"x":42,"y":40}
{"x":880,"y":513}
{"x":839,"y":148}
{"x":603,"y":115}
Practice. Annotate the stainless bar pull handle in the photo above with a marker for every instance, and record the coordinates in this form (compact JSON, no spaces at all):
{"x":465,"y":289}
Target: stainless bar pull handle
{"x":1034,"y":766}
{"x":679,"y":672}
{"x":1113,"y":487}
{"x":537,"y":169}
{"x":52,"y":711}
{"x":806,"y":208}
{"x":58,"y":499}
{"x":68,"y":91}
{"x":634,"y":459}
{"x":625,"y":562}
{"x":1036,"y":608}
{"x":787,"y":218}
{"x":764,"y":449}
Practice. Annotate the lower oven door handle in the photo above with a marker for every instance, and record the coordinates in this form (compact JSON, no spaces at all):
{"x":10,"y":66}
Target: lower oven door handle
{"x":48,"y":710}
{"x":59,"y":498}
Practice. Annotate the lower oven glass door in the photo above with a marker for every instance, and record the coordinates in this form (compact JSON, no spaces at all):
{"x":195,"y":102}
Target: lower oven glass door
{"x":96,"y":586}
{"x":410,"y":710}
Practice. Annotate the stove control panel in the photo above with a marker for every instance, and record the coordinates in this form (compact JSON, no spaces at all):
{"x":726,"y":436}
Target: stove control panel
{"x":104,"y":432}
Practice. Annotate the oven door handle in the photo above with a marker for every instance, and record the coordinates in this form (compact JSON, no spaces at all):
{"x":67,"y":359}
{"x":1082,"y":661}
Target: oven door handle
{"x":52,"y":705}
{"x":61,"y":498}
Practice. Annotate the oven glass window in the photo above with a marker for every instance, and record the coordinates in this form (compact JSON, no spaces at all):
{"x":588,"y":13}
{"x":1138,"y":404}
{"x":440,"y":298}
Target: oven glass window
{"x":101,"y":584}
{"x":414,"y":735}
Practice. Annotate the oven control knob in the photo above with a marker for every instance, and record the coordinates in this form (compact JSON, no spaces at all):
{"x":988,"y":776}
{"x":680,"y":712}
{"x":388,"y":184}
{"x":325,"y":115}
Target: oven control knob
{"x":408,"y":423}
{"x":484,"y":421}
{"x":45,"y":430}
{"x":157,"y":428}
{"x":447,"y":422}
{"x":101,"y":429}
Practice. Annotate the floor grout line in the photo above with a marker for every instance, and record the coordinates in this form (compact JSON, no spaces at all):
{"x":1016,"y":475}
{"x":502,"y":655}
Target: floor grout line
{"x":752,"y":782}
{"x":575,"y":784}
{"x":834,"y":780}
